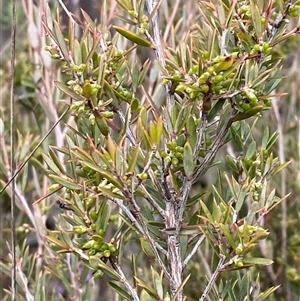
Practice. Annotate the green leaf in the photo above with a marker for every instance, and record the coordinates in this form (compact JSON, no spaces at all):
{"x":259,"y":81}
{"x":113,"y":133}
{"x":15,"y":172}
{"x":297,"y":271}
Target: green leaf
{"x":258,"y":261}
{"x":256,"y":18}
{"x":159,"y":129}
{"x":57,"y":242}
{"x":155,"y":227}
{"x":147,"y":139}
{"x":157,"y":283}
{"x":56,"y":160}
{"x":251,"y":150}
{"x":192,"y":131}
{"x":267,"y":293}
{"x":232,"y":163}
{"x":207,"y":215}
{"x":228,"y":235}
{"x":148,"y":289}
{"x":102,"y":126}
{"x":147,"y":248}
{"x":66,"y":182}
{"x":134,"y":151}
{"x":71,"y":93}
{"x":281,"y":167}
{"x":175,"y":181}
{"x":265,"y":138}
{"x":51,"y":164}
{"x":107,"y":175}
{"x":125,"y":127}
{"x":152,"y":132}
{"x":125,"y":4}
{"x":96,"y":262}
{"x":40,"y":287}
{"x":110,"y":193}
{"x":104,"y":214}
{"x":174,"y":115}
{"x":144,"y":71}
{"x":181,"y":120}
{"x":145,"y":296}
{"x":119,"y":162}
{"x":249,"y":113}
{"x":74,"y":221}
{"x":78,"y":206}
{"x":135,"y":76}
{"x":236,"y":138}
{"x":82,"y":155}
{"x":88,"y":19}
{"x":77,"y":53}
{"x":132,"y":37}
{"x":188,"y":160}
{"x":120,"y":291}
{"x":272,"y":140}
{"x":111,"y":147}
{"x":61,"y":41}
{"x":125,"y":20}
{"x":67,"y":239}
{"x":272,"y":84}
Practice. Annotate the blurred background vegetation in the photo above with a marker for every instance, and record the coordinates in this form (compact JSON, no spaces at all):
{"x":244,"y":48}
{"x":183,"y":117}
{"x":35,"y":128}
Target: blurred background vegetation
{"x":38,"y":107}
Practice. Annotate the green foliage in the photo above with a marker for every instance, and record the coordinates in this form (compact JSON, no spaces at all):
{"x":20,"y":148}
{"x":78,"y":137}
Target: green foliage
{"x":144,"y":135}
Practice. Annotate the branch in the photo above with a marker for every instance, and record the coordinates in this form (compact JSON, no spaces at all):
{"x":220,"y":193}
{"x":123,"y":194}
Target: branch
{"x":155,"y":246}
{"x":200,"y":135}
{"x":153,"y":203}
{"x":15,"y":174}
{"x":215,"y":146}
{"x":13,"y":149}
{"x":192,"y":253}
{"x":281,"y":145}
{"x":215,"y":275}
{"x":118,"y":269}
{"x":129,"y":133}
{"x":133,"y":142}
{"x":156,"y":40}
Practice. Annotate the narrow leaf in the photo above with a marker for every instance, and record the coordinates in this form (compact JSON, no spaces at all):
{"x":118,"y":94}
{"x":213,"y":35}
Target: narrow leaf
{"x":51,"y":164}
{"x":120,"y":291}
{"x":188,"y":160}
{"x":61,"y":41}
{"x":258,"y":261}
{"x":134,"y":156}
{"x":68,"y":91}
{"x":56,"y":160}
{"x":132,"y":37}
{"x":66,"y":182}
{"x":57,"y":242}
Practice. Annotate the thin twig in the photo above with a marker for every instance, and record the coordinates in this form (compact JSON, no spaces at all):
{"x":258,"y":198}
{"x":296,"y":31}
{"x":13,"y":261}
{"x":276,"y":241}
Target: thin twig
{"x":194,"y":250}
{"x":214,"y":276}
{"x":152,"y":202}
{"x":130,"y":135}
{"x":159,"y":50}
{"x":171,"y":19}
{"x":133,"y":142}
{"x":149,"y":238}
{"x":146,"y":167}
{"x":215,"y":146}
{"x":281,"y":145}
{"x":137,"y":224}
{"x":187,"y":186}
{"x":33,"y":151}
{"x":12,"y":146}
{"x":200,"y":136}
{"x":23,"y":281}
{"x":118,"y":269}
